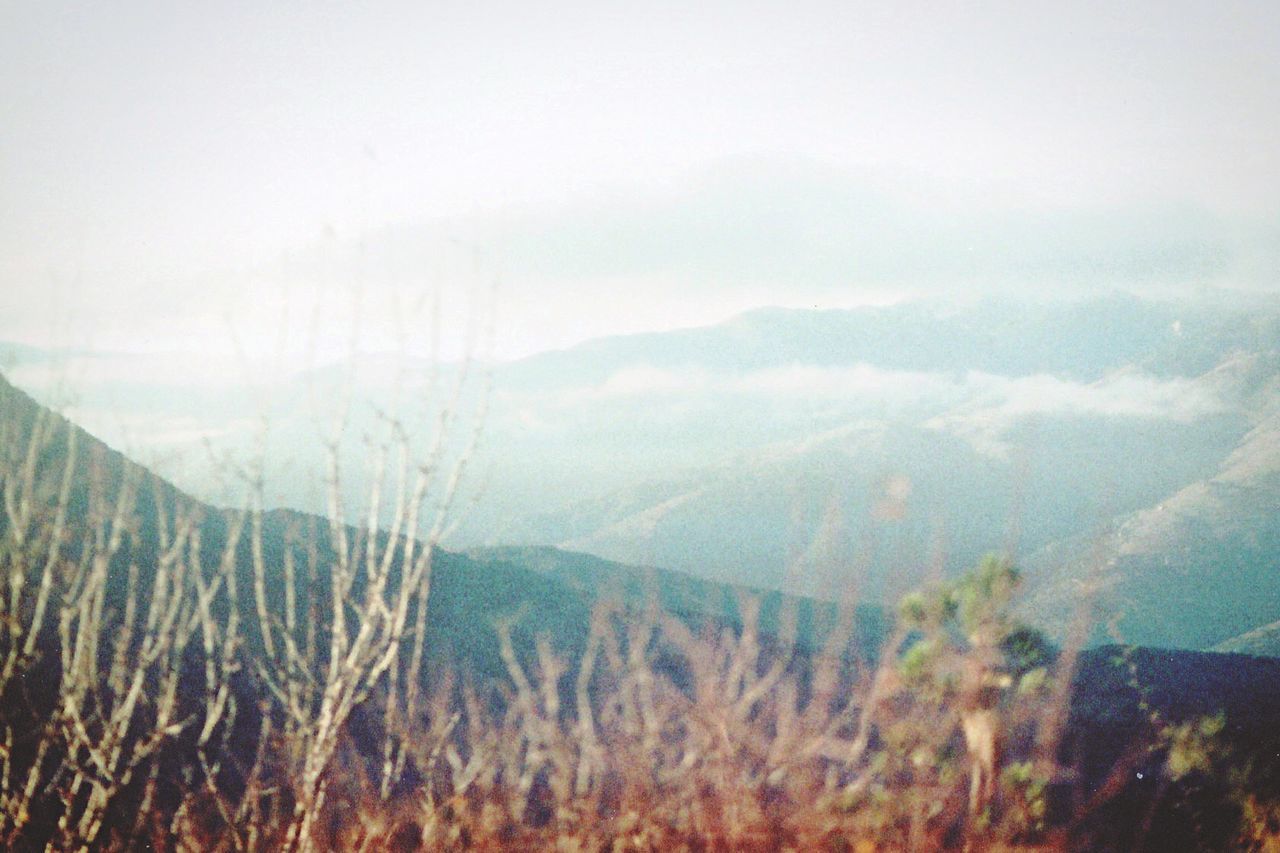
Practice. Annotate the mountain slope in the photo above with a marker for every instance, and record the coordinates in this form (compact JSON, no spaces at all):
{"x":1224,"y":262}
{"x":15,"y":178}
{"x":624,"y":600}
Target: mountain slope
{"x":1201,"y":567}
{"x":695,"y":600}
{"x":544,"y":591}
{"x":840,"y":448}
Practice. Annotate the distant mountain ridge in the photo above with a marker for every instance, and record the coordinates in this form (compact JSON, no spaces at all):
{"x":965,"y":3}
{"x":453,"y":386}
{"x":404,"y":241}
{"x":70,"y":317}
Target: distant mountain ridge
{"x":1199,"y":465}
{"x":819,"y":449}
{"x":1083,"y":339}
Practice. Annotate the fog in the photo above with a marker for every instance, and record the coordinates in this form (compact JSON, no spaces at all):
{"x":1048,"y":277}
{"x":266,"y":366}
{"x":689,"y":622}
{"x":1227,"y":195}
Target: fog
{"x":232,"y":179}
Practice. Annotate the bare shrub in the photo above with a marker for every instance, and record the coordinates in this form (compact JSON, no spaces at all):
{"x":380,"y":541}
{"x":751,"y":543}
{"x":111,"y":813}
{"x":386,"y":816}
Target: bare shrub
{"x":191,"y":678}
{"x":105,"y":585}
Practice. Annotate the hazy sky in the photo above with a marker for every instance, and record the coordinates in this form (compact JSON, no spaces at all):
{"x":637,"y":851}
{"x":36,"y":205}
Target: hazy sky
{"x":172,"y":174}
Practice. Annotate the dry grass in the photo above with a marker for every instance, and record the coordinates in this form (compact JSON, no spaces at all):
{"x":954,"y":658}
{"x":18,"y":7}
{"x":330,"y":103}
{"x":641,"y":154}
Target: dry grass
{"x":662,"y":739}
{"x":156,"y":689}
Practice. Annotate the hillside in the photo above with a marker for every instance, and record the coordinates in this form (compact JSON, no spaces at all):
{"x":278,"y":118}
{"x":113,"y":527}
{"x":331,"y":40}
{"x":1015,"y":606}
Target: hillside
{"x":819,"y":451}
{"x":1263,"y":641}
{"x":1200,"y":568}
{"x":488,"y":613}
{"x":469,"y":593}
{"x":1170,"y":446}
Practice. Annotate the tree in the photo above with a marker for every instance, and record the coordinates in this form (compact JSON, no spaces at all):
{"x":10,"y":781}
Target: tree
{"x":967,"y":652}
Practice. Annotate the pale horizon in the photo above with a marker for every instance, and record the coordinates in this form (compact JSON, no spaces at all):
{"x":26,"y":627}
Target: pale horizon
{"x":207,"y":179}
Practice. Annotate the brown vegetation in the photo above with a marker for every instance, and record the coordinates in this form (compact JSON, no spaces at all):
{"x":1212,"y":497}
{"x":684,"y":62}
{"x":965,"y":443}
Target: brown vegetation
{"x":193,"y":679}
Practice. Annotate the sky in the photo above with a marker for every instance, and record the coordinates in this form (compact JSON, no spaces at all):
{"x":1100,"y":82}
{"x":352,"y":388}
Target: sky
{"x":298,"y":179}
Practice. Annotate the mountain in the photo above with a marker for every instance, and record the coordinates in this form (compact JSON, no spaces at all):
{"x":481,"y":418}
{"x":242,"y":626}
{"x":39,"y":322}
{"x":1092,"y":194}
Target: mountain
{"x":820,"y":451}
{"x":545,"y":591}
{"x":1082,"y":339}
{"x":548,"y":592}
{"x":1263,"y":641}
{"x":695,"y":600}
{"x":1200,"y":568}
{"x":1163,"y":437}
{"x":465,"y":593}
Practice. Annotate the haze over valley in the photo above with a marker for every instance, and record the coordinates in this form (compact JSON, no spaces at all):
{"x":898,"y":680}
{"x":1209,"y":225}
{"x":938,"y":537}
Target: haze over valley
{"x":825,"y":452}
{"x":727,"y":426}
